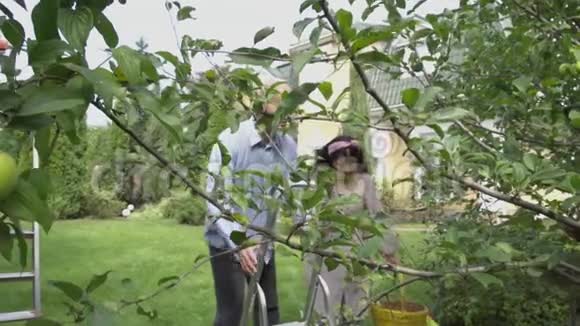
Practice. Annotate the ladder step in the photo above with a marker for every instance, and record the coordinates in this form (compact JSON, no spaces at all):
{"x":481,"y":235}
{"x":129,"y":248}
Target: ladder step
{"x":9,"y":277}
{"x":27,"y":234}
{"x":18,"y":316}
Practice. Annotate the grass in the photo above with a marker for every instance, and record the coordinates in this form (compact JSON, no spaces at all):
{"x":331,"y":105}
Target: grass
{"x":145,"y":251}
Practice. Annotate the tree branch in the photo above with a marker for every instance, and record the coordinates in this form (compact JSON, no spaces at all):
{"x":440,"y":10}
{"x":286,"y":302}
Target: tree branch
{"x":387,"y":292}
{"x":318,"y":118}
{"x":263,"y":56}
{"x":474,"y":138}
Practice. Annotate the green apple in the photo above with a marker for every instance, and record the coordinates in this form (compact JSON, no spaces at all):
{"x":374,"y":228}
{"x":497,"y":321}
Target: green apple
{"x":8,"y":174}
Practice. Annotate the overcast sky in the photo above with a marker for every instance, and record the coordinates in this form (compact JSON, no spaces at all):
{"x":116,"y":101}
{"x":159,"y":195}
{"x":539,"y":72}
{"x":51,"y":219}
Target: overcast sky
{"x":234,"y":22}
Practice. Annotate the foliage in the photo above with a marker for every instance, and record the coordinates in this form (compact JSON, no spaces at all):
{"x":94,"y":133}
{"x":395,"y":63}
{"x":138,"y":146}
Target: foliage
{"x":519,"y":297}
{"x":69,"y":175}
{"x":101,"y":204}
{"x":523,"y":302}
{"x":185,"y":209}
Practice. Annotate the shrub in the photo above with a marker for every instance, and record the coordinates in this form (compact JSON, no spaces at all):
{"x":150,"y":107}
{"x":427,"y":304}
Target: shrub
{"x":185,"y":208}
{"x":69,"y":176}
{"x":516,"y":297}
{"x":101,"y":205}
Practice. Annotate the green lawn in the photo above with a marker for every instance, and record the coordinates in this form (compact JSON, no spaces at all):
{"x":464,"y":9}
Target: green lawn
{"x":145,"y":251}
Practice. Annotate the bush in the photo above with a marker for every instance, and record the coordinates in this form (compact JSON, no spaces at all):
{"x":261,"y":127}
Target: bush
{"x":516,"y":297}
{"x":101,"y":205}
{"x":185,"y":208}
{"x":69,"y":176}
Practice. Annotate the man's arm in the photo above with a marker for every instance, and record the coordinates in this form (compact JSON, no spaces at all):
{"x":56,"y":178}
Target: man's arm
{"x":224,"y":227}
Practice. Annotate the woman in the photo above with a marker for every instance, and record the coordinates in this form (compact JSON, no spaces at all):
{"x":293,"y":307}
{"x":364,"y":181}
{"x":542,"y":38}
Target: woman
{"x":345,"y":155}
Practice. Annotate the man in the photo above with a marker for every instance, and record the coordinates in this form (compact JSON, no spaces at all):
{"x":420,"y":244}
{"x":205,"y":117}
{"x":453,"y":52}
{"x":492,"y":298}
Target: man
{"x":253,"y":147}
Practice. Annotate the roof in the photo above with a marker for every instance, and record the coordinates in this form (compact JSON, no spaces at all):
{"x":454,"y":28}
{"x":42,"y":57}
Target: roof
{"x":389,"y":89}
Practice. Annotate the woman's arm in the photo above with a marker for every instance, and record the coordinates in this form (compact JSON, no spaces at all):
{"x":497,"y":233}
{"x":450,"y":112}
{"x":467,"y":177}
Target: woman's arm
{"x":371,"y":199}
{"x":373,"y":205}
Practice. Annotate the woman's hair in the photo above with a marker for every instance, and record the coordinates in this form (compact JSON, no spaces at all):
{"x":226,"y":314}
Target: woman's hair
{"x":338,"y":147}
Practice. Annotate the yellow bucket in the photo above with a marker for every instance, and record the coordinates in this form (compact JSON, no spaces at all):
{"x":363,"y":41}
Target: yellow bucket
{"x":388,"y":317}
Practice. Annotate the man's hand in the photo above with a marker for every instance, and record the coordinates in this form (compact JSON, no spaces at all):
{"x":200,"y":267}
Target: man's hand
{"x":248,"y":260}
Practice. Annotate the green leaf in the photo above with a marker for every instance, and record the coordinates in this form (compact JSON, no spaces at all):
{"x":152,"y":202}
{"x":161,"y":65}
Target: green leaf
{"x":240,"y":199}
{"x":410,"y":97}
{"x":255,"y":57}
{"x":530,"y":161}
{"x":238,"y":237}
{"x":47,"y":52}
{"x":368,"y":11}
{"x":31,"y":123}
{"x":370,"y":247}
{"x":495,"y":254}
{"x":149,"y":69}
{"x":427,"y":97}
{"x":72,"y":291}
{"x":9,"y":100}
{"x":170,"y":57}
{"x":97,"y":281}
{"x":21,"y":3}
{"x":22,"y":245}
{"x":106,"y":28}
{"x":372,"y":35}
{"x":300,"y":25}
{"x":575,"y":119}
{"x":374,"y":57}
{"x":14,"y":33}
{"x":301,"y":59}
{"x":315,"y":4}
{"x":25,"y":203}
{"x":331,"y":264}
{"x":438,"y":130}
{"x":575,"y":182}
{"x":169,"y":120}
{"x":262,"y":34}
{"x":242,"y":219}
{"x":325,"y":89}
{"x":45,"y":18}
{"x":486,"y":279}
{"x":75,"y":26}
{"x":315,"y":35}
{"x":49,"y":99}
{"x":292,"y":100}
{"x":40,"y":180}
{"x":6,"y":241}
{"x":167,"y":279}
{"x":103,"y":81}
{"x":394,"y":15}
{"x":42,"y":322}
{"x":344,"y":19}
{"x":185,"y":13}
{"x":451,"y":114}
{"x":312,"y":198}
{"x":522,"y":83}
{"x":225,"y":154}
{"x":129,"y":62}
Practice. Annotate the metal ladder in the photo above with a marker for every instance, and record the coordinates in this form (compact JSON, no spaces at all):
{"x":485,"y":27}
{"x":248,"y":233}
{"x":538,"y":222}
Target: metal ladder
{"x":22,"y":276}
{"x":34,"y":276}
{"x":320,"y":283}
